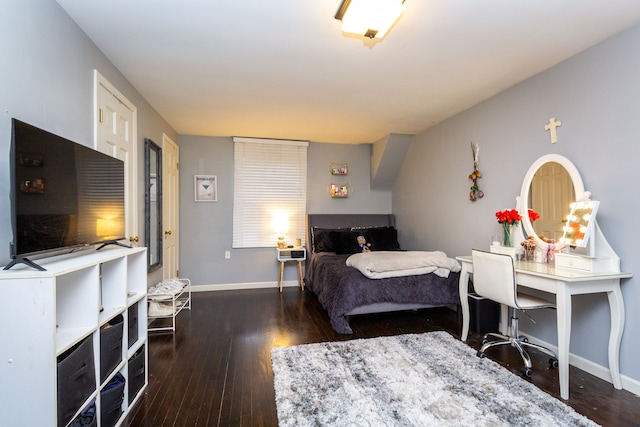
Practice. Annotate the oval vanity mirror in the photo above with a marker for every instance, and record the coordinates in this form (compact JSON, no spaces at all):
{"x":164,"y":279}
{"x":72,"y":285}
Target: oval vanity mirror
{"x":153,"y":204}
{"x":549,"y":187}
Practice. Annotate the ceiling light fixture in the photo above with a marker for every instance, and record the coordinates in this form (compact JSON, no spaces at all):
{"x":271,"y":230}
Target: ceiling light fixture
{"x":369,"y":18}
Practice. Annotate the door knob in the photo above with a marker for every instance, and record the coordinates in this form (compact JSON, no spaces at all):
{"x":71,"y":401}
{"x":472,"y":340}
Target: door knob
{"x":168,"y":232}
{"x":134,"y":239}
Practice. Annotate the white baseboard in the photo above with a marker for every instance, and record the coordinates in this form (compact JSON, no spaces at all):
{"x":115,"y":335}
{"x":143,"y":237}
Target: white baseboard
{"x":238,"y":286}
{"x":593,"y":368}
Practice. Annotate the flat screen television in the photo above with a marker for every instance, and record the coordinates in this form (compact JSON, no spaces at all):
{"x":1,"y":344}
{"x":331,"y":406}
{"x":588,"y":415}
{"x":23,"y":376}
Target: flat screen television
{"x":64,"y":196}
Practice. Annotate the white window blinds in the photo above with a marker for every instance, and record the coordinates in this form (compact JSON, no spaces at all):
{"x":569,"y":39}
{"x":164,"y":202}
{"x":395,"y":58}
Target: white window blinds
{"x":270,"y":187}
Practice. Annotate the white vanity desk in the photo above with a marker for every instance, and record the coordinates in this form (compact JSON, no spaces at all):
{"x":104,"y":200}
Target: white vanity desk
{"x":573,"y":274}
{"x":563,"y":283}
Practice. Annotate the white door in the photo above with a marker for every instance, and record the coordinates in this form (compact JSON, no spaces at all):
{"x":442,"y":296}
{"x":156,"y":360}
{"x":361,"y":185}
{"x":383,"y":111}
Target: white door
{"x":115,"y":134}
{"x":551,"y":194}
{"x":170,"y":209}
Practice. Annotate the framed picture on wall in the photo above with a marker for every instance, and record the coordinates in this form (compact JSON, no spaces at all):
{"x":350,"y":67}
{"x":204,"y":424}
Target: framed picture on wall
{"x":206,"y":188}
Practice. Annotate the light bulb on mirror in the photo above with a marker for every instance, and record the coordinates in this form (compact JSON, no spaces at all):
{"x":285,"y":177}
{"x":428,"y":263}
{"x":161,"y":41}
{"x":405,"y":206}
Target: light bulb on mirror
{"x":579,"y":223}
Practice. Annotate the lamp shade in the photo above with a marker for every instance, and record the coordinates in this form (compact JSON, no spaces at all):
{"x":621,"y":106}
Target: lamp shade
{"x":107,"y":227}
{"x":369,"y":18}
{"x":280,"y":222}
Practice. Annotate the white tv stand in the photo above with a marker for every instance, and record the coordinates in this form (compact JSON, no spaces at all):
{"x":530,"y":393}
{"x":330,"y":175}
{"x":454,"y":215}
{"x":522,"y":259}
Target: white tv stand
{"x":47,"y":313}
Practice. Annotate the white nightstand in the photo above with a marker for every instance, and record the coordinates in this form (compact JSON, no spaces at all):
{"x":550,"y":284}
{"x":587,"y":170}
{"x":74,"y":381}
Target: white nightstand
{"x":291,"y":254}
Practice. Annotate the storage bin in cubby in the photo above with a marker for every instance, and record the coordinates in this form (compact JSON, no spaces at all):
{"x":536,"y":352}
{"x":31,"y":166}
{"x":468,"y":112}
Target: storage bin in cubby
{"x":110,"y":346}
{"x":111,"y":398}
{"x":136,"y":369}
{"x":76,"y":379}
{"x":86,"y":418}
{"x":132,"y":323}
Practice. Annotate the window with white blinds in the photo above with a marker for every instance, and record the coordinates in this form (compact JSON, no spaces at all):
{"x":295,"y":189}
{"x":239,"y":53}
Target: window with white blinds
{"x":270,"y":187}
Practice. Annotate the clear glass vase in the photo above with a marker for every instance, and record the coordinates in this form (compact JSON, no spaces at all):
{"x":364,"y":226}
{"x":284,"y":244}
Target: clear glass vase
{"x":530,"y":252}
{"x":507,"y":231}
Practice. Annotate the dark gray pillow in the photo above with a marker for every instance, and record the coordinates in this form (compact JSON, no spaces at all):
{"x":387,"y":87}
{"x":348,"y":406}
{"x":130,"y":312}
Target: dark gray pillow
{"x":346,"y":242}
{"x":383,"y":238}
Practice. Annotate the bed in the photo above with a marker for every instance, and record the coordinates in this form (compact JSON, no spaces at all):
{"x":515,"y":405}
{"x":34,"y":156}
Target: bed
{"x":344,"y":291}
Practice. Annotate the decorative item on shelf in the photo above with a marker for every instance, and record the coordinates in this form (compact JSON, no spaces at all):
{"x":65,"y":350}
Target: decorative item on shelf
{"x":529,"y":249}
{"x":40,"y":185}
{"x":550,"y":256}
{"x":509,"y":219}
{"x":339,"y":168}
{"x":30,"y":160}
{"x":475,"y":193}
{"x":340,"y":190}
{"x":531,"y":252}
{"x":529,"y":245}
{"x":33,"y":187}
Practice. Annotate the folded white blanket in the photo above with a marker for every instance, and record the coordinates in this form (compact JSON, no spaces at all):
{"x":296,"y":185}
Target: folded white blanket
{"x":383,"y":264}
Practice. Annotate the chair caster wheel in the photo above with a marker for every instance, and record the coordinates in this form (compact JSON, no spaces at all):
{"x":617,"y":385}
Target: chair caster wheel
{"x":524,"y":339}
{"x":553,"y":362}
{"x":527,"y":372}
{"x":484,"y":341}
{"x":481,"y":355}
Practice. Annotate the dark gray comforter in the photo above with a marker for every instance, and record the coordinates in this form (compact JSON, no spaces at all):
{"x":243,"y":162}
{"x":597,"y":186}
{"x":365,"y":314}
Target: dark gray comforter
{"x":341,"y":288}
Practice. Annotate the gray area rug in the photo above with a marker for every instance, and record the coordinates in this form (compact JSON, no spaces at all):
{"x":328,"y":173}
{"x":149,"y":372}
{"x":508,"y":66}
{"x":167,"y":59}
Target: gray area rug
{"x":427,"y":379}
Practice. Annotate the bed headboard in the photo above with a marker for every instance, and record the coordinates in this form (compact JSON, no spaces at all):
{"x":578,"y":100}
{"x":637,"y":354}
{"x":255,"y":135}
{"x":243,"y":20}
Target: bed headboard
{"x":346,"y":221}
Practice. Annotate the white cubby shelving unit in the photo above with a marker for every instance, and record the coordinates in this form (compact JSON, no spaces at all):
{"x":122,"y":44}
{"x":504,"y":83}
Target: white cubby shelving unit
{"x":49,"y":314}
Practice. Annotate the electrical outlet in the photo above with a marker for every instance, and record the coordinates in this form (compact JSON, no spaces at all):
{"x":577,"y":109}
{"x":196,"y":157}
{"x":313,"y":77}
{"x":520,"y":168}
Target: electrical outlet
{"x":227,"y":254}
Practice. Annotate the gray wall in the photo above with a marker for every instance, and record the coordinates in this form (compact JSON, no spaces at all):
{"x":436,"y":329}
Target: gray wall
{"x":596,"y":96}
{"x":206,"y":228}
{"x":47,"y":80}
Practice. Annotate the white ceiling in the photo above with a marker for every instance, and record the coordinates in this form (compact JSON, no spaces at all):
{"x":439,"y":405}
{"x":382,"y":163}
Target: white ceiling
{"x":283,"y":68}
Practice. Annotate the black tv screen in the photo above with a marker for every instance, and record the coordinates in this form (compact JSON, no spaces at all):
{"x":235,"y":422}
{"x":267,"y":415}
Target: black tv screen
{"x":64,"y":195}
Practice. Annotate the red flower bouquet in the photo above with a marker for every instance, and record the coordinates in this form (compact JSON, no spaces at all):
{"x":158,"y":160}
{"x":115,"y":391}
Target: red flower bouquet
{"x":508,"y":218}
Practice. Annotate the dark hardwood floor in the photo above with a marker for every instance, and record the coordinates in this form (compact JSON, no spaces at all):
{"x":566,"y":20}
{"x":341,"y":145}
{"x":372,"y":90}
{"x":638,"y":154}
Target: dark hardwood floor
{"x":216,"y":369}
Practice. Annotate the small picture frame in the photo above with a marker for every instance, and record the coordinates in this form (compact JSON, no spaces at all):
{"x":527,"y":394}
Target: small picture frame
{"x":205,"y":188}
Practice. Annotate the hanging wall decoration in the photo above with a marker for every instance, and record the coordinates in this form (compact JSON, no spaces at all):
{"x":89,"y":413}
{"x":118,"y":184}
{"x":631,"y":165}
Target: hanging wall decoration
{"x":475,"y":193}
{"x":552,"y":128}
{"x":340,"y":190}
{"x":339,"y":168}
{"x":206,"y":188}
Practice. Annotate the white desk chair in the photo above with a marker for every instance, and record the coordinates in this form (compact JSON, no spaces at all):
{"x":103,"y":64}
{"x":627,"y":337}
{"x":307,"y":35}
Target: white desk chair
{"x":494,"y":277}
